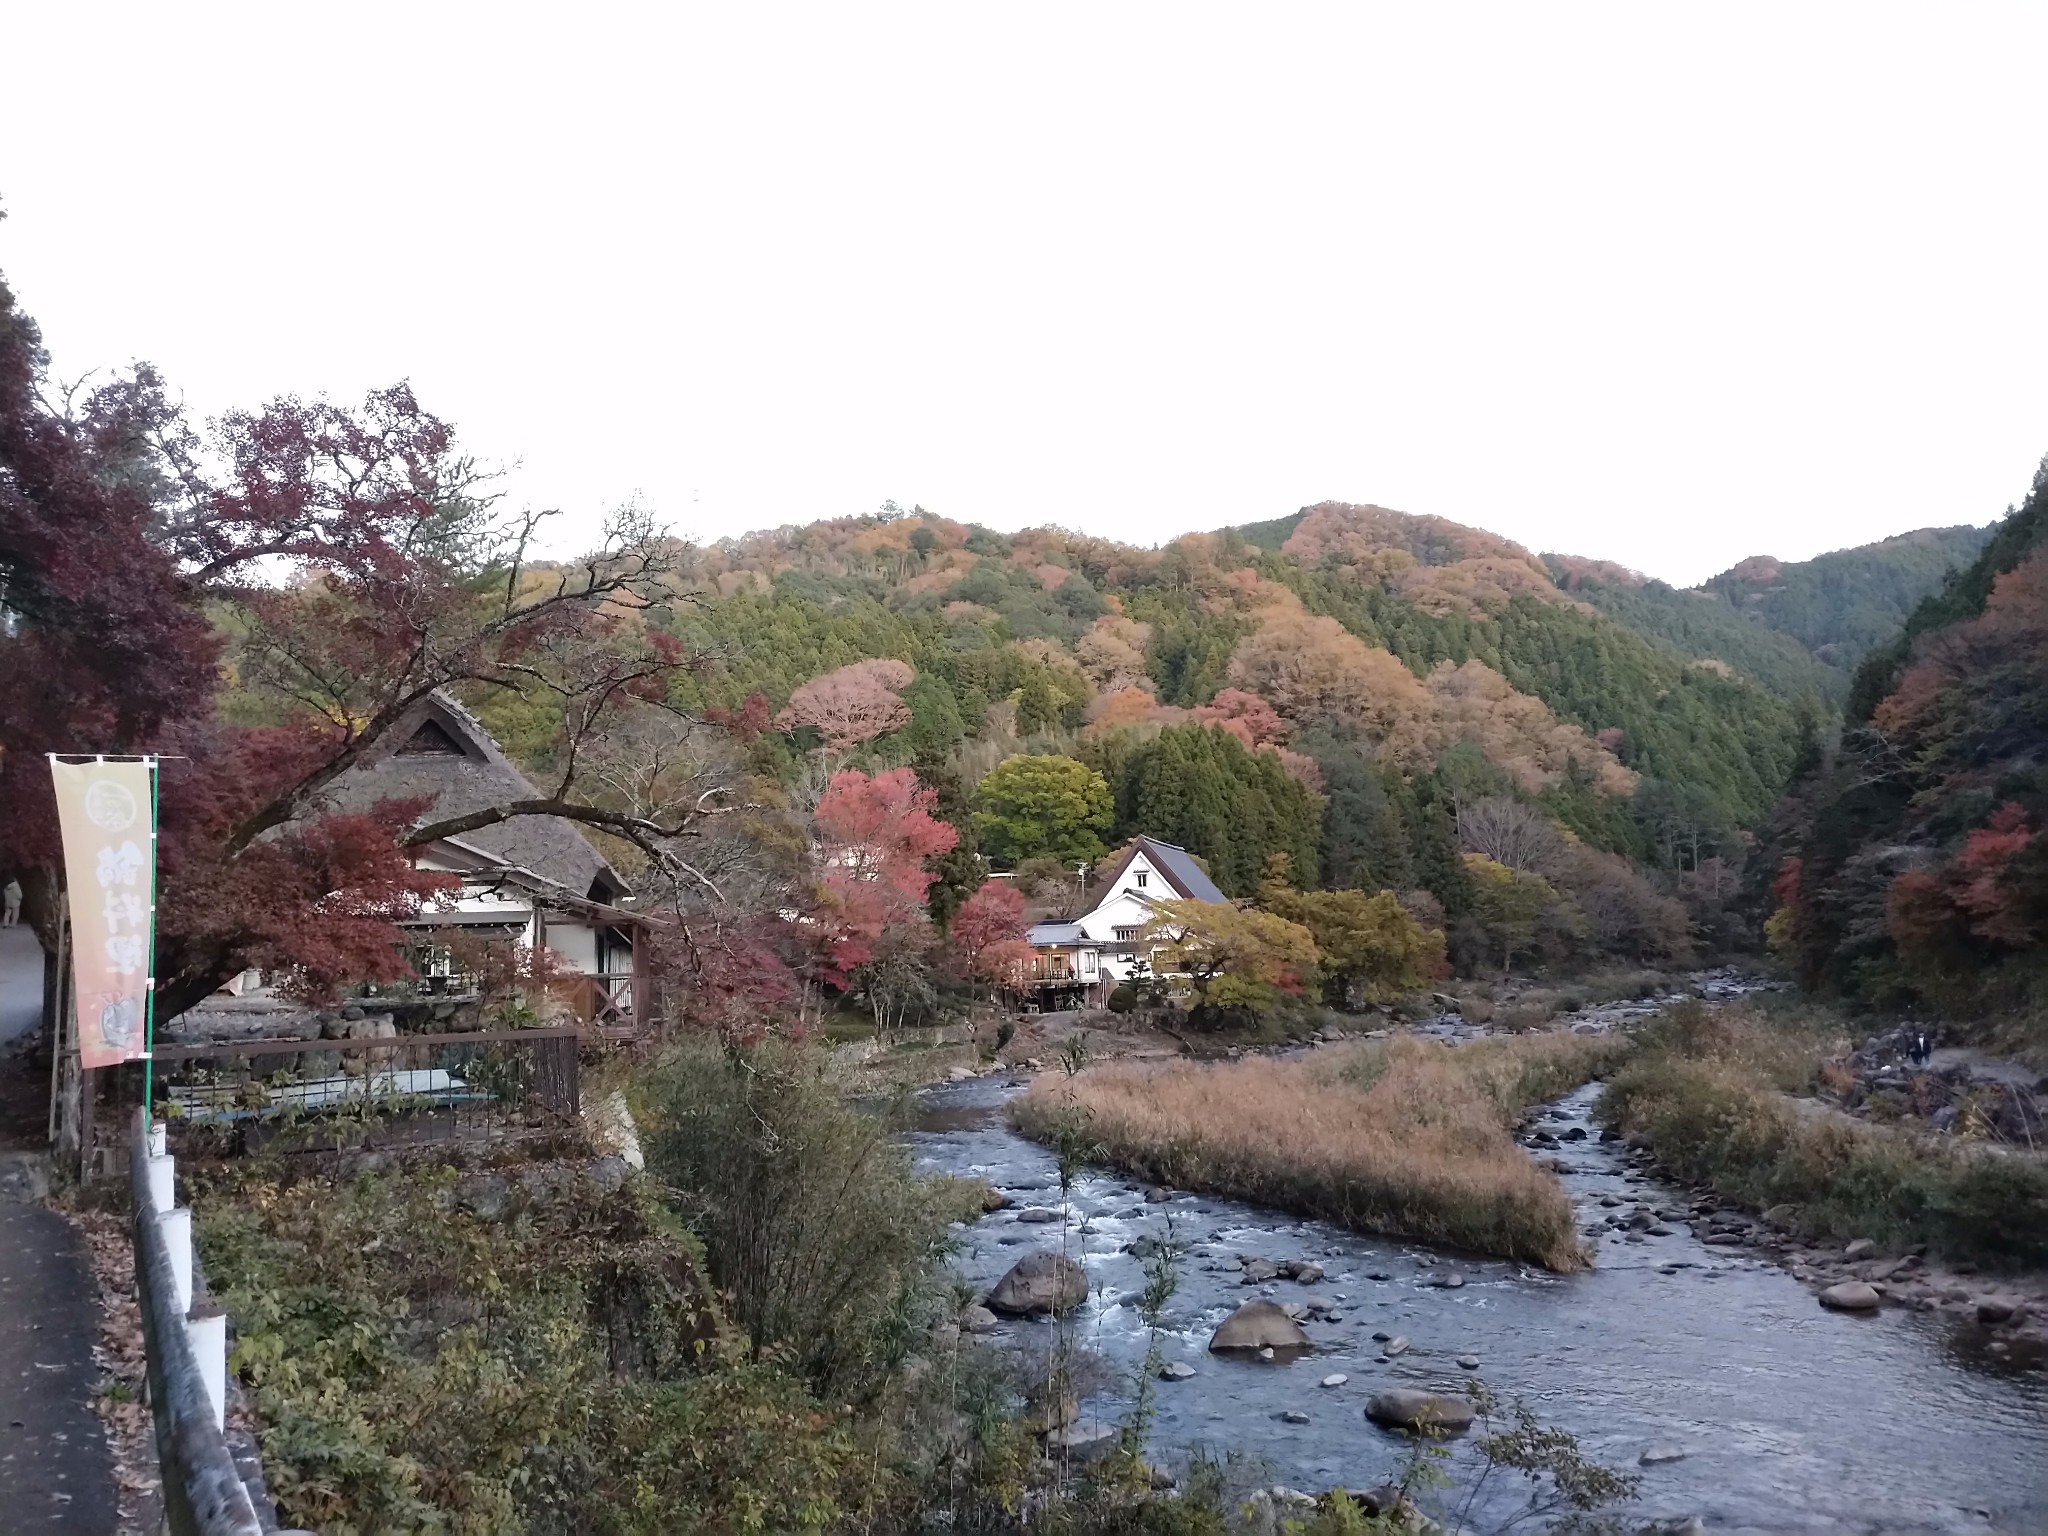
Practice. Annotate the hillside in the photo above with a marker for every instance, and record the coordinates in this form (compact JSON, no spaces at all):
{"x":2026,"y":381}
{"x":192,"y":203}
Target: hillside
{"x":1382,"y":698}
{"x":1079,"y":634}
{"x":1915,"y":872}
{"x":1799,"y":628}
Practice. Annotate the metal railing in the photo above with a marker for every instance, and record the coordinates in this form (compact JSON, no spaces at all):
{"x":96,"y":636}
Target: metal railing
{"x":474,"y":1074}
{"x":184,"y":1338}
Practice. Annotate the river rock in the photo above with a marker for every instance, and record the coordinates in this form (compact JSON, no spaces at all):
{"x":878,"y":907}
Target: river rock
{"x":1397,"y":1345}
{"x":1176,"y":1370}
{"x":1447,"y":1280}
{"x":1337,"y":1380}
{"x":1658,"y":1455}
{"x":483,"y":1195}
{"x":1258,"y":1272}
{"x":1292,"y":1416}
{"x":1419,"y":1412}
{"x":1258,"y":1325}
{"x":1308,"y":1274}
{"x":1038,"y":1213}
{"x":1157,"y":1196}
{"x":1862,"y":1248}
{"x":1051,"y":1413}
{"x":1082,"y":1442}
{"x":1388,"y":1499}
{"x":1039,"y":1283}
{"x":1468,"y":1362}
{"x":1993,"y":1310}
{"x":977,"y":1320}
{"x":1851,"y":1296}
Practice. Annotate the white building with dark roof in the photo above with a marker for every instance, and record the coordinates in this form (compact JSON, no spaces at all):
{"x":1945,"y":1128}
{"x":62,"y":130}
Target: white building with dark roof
{"x":1078,"y":959}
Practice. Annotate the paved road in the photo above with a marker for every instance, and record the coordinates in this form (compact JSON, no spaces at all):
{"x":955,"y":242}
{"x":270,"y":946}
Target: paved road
{"x":21,"y":984}
{"x":55,"y":1471}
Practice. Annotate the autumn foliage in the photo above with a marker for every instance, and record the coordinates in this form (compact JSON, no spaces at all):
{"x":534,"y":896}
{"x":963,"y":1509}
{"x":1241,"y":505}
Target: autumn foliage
{"x":852,"y":704}
{"x":987,"y":933}
{"x":875,"y":834}
{"x":1922,"y":866}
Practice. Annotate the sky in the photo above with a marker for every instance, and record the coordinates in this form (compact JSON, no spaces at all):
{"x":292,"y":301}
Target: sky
{"x":1665,"y":285}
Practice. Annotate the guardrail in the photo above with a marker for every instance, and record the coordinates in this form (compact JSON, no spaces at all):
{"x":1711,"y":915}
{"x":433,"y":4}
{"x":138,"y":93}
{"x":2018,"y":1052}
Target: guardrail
{"x":186,"y":1342}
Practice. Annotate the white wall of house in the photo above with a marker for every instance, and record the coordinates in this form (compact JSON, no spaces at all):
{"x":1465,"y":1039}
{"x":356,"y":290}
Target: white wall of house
{"x":1117,"y":919}
{"x":574,"y":941}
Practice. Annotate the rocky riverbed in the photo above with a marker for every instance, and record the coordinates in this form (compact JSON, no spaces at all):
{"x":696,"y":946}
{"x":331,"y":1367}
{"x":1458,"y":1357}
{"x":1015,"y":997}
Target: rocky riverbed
{"x":1691,"y":1353}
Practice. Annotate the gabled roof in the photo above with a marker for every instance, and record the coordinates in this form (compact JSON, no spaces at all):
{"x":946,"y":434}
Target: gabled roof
{"x":1176,"y":866}
{"x":439,"y":751}
{"x":1053,"y":934}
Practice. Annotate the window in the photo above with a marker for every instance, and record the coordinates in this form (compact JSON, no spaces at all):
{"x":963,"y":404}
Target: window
{"x":1143,"y":876}
{"x":1128,"y":935}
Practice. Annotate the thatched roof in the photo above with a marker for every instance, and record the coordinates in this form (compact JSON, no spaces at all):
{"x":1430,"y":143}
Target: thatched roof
{"x":441,"y":751}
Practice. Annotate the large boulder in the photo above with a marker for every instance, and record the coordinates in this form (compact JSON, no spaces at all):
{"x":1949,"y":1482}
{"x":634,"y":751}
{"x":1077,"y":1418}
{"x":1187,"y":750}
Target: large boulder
{"x":1851,"y":1296}
{"x":1418,"y":1412}
{"x":1088,"y":1441}
{"x":1038,"y":1284}
{"x":1259,"y":1325}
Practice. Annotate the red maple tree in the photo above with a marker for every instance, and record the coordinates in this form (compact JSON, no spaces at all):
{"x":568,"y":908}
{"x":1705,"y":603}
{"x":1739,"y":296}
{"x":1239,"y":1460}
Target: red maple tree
{"x":875,"y":834}
{"x":356,"y":563}
{"x":987,"y":933}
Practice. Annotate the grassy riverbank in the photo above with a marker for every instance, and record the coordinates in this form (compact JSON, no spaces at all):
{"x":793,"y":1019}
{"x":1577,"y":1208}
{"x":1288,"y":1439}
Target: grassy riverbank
{"x":1408,"y":1138}
{"x":1711,"y":1091}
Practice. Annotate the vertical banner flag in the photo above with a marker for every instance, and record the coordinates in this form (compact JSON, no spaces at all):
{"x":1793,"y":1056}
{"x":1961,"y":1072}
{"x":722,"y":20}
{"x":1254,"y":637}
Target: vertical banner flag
{"x":109,"y":825}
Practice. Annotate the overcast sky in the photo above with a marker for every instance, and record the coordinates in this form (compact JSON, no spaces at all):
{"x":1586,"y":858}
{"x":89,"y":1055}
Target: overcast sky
{"x":1667,"y":285}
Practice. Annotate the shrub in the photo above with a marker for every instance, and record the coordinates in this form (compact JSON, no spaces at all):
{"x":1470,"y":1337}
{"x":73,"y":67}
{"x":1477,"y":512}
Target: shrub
{"x":1124,"y":998}
{"x":1710,"y":1090}
{"x":810,"y":1216}
{"x":512,"y":1350}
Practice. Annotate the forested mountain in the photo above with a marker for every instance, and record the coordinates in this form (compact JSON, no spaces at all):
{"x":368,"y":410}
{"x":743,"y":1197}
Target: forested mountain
{"x":1363,"y":691}
{"x":1914,"y":866}
{"x":1799,"y":628}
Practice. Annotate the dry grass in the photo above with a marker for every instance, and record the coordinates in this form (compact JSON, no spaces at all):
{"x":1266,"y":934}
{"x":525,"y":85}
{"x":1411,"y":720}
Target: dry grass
{"x":1709,"y":1089}
{"x":1411,"y":1139}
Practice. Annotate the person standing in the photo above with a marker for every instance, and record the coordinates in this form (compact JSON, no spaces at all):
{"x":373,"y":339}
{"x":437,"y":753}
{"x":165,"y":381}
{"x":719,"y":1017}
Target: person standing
{"x":10,"y":903}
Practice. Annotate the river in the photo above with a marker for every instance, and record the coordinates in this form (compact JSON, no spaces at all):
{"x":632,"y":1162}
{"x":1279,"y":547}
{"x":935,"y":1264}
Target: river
{"x":1790,"y":1418}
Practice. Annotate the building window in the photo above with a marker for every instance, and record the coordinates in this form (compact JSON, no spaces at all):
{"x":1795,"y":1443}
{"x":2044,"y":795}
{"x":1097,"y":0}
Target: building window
{"x":1128,"y":935}
{"x":1143,"y":876}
